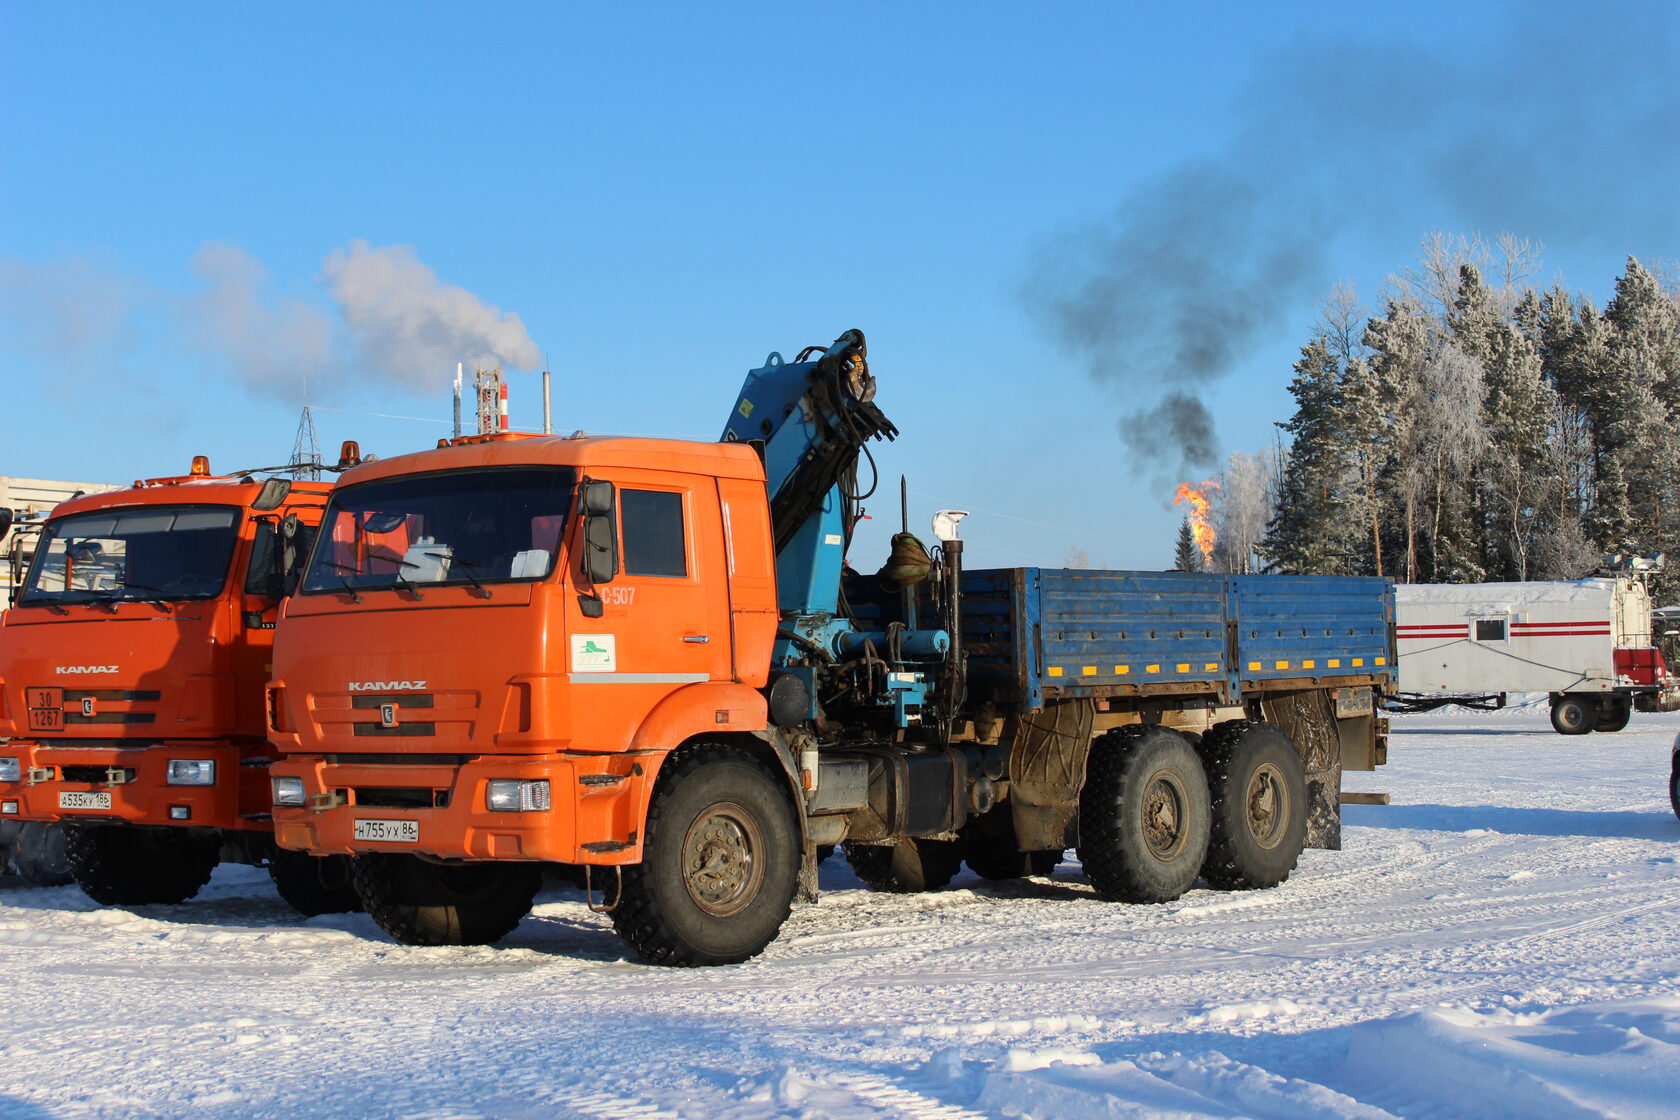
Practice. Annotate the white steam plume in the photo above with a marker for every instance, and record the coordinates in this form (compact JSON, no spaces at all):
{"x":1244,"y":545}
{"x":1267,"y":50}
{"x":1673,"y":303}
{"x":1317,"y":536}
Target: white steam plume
{"x":408,"y":325}
{"x":272,"y":344}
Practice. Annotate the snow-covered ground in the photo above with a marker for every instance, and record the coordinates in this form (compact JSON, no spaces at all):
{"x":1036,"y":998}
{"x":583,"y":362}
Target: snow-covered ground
{"x":1501,"y":941}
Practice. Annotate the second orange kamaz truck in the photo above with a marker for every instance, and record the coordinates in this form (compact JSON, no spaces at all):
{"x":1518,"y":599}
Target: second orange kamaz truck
{"x":132,"y":669}
{"x":644,"y":658}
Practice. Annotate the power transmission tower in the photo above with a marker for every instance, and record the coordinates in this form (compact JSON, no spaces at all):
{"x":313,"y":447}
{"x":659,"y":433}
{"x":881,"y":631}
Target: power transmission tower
{"x":306,"y":451}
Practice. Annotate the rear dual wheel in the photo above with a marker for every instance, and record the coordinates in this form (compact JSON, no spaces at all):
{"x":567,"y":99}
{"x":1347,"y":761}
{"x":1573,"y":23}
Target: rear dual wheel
{"x":1143,"y":815}
{"x":907,"y":867}
{"x":1258,"y":790}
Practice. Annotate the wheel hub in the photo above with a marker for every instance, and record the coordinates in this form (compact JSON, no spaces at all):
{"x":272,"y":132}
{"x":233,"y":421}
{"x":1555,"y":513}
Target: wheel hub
{"x":1267,"y":805}
{"x":721,"y":870}
{"x":1164,"y":817}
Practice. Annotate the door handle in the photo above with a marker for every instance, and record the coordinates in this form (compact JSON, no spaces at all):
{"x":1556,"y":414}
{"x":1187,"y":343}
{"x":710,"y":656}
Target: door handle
{"x":697,"y":639}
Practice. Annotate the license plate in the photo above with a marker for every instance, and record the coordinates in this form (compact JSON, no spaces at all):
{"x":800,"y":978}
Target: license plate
{"x":43,"y":698}
{"x":68,"y":799}
{"x":391,"y":832}
{"x":46,"y":719}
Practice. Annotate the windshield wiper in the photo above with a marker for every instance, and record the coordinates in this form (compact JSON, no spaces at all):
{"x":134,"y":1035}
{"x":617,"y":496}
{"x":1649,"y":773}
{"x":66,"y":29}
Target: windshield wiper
{"x":41,"y":600}
{"x":467,"y":567}
{"x":344,"y":584}
{"x":155,"y":599}
{"x":403,"y":581}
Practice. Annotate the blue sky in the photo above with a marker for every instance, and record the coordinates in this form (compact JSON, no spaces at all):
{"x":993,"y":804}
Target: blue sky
{"x":664,"y":193}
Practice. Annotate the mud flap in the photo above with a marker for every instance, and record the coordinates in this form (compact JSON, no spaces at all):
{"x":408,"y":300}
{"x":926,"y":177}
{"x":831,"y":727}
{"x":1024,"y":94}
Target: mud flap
{"x":1047,"y":771}
{"x":1309,"y":719}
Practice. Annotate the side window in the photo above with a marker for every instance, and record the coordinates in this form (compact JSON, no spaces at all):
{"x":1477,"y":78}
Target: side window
{"x":1490,"y":629}
{"x":653,"y":533}
{"x":263,"y":576}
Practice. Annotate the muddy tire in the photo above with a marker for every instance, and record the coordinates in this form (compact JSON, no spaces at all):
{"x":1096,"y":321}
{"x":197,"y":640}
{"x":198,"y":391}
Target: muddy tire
{"x":139,"y":865}
{"x":38,"y":855}
{"x":1143,"y":815}
{"x":1613,"y":715}
{"x":422,"y":903}
{"x":907,"y":867}
{"x":720,"y":863}
{"x":1572,"y":715}
{"x":997,"y":858}
{"x":314,"y":884}
{"x":1258,"y":790}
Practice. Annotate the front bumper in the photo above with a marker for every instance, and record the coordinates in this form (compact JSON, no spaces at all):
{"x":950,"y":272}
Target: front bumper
{"x":62,"y":781}
{"x":595,"y":816}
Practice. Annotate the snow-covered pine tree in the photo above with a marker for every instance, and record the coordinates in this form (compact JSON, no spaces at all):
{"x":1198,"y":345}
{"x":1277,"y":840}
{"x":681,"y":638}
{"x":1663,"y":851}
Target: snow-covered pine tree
{"x":1310,"y":532}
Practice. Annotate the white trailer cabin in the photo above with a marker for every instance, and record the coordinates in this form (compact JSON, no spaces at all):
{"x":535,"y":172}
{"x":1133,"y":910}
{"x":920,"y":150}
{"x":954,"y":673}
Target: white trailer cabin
{"x":1587,"y":642}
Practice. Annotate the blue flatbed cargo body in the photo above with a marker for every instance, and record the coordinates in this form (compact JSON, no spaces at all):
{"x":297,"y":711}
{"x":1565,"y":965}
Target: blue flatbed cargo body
{"x":1034,"y":635}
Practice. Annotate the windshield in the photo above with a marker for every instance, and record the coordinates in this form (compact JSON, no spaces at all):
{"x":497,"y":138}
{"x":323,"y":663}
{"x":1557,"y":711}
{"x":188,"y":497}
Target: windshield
{"x":146,"y":552}
{"x":469,"y":527}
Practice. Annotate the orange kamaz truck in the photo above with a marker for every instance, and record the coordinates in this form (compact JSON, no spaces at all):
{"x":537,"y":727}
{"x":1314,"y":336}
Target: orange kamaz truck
{"x":132,"y":668}
{"x":646,"y":660}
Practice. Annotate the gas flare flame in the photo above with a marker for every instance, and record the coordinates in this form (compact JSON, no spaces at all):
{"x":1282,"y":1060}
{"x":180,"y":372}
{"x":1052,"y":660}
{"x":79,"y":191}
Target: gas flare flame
{"x":1201,"y":526}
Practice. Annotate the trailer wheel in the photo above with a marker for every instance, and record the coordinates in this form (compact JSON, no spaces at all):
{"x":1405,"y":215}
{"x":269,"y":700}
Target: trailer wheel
{"x":423,"y":903}
{"x":38,"y":855}
{"x":720,"y":863}
{"x":133,"y":866}
{"x":907,"y":867}
{"x":996,"y":857}
{"x":314,"y":884}
{"x":1614,"y":714}
{"x":1259,"y":793}
{"x":1572,"y":715}
{"x":1143,"y":815}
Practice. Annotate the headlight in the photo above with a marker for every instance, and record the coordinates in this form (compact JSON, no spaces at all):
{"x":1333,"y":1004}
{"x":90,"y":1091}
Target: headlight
{"x":191,"y":772}
{"x":287,"y":791}
{"x":511,"y":795}
{"x":10,"y":770}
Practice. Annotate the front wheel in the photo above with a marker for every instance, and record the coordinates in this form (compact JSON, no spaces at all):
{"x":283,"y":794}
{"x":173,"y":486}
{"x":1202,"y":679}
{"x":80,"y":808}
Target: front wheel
{"x":38,"y":855}
{"x":1259,"y":794}
{"x":134,"y":865}
{"x":1571,"y":715}
{"x":720,"y":863}
{"x":314,"y":884}
{"x":423,"y":903}
{"x":1143,"y":815}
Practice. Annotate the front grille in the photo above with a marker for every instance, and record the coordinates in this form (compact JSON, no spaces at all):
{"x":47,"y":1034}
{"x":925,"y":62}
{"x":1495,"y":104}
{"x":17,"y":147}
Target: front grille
{"x":132,"y":695}
{"x":401,"y":700}
{"x":376,"y":797}
{"x":376,"y":730}
{"x":111,"y":717}
{"x":97,"y":775}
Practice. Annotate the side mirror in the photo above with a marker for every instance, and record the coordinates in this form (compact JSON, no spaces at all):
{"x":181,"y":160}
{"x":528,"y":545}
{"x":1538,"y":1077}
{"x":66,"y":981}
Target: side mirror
{"x":596,"y":497}
{"x":290,"y":552}
{"x":5,"y":520}
{"x":274,"y":491}
{"x":600,"y":532}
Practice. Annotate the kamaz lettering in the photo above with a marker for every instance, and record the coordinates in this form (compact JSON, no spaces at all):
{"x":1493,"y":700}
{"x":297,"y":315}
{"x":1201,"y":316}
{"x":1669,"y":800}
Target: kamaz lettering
{"x":386,"y":686}
{"x":76,"y":669}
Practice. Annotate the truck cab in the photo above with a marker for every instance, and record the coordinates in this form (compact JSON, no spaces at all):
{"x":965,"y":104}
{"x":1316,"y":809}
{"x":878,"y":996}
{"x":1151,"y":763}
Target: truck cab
{"x":449,"y":677}
{"x":132,"y":666}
